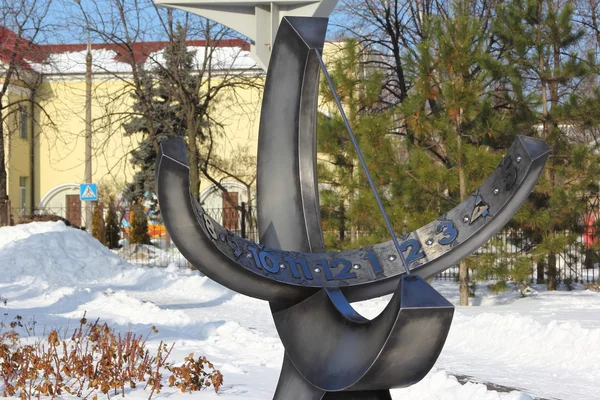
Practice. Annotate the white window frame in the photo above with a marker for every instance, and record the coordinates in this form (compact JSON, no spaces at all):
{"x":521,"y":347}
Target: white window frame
{"x":22,"y":194}
{"x":23,"y":117}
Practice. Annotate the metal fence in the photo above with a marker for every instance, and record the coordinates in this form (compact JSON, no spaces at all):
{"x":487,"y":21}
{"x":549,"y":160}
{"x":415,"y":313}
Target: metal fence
{"x":578,"y":262}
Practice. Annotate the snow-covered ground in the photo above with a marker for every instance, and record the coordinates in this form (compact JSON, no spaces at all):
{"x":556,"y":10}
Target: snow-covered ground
{"x":546,"y":346}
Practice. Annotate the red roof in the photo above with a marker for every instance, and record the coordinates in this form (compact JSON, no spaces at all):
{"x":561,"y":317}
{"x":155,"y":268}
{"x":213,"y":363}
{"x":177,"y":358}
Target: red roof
{"x":140,"y":51}
{"x":9,"y":41}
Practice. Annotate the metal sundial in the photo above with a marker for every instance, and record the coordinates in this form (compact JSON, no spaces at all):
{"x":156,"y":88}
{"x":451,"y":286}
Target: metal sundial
{"x":331,"y":351}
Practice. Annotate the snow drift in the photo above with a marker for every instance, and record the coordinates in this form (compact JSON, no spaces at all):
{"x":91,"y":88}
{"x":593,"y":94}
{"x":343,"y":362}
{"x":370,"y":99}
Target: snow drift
{"x":547,"y":345}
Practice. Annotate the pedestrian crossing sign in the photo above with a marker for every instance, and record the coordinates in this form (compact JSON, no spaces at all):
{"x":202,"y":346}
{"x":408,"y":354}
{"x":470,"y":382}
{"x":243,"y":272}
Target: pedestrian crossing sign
{"x":88,"y":192}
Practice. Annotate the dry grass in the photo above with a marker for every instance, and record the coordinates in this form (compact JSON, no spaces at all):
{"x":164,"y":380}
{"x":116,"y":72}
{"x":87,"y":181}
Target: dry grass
{"x":94,"y":359}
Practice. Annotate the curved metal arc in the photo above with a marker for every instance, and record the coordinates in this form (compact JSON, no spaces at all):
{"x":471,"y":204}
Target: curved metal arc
{"x":287,"y":196}
{"x":196,"y":244}
{"x":279,"y":275}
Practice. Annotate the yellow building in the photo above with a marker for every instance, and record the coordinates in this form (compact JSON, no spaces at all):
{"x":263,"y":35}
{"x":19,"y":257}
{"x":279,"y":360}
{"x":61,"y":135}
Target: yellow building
{"x":46,"y":148}
{"x":17,"y":128}
{"x":46,"y":153}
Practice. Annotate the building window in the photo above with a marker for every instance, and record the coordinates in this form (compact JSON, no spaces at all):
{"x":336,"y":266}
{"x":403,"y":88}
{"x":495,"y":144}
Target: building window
{"x":22,"y":122}
{"x":22,"y":194}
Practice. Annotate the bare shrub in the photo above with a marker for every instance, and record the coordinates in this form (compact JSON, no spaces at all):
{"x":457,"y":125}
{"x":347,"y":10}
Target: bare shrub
{"x":93,"y":359}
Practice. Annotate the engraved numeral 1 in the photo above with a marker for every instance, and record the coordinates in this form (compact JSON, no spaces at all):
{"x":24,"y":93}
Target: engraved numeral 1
{"x":292,"y":263}
{"x":254,"y":252}
{"x":305,"y":268}
{"x":324,"y":264}
{"x":372,"y":258}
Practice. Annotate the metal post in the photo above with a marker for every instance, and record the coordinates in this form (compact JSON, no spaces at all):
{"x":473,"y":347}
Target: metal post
{"x":364,"y":164}
{"x":243,"y":233}
{"x":89,"y":206}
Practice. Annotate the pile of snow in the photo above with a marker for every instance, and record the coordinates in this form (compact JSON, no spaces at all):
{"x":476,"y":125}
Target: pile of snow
{"x":545,"y":346}
{"x":54,"y":254}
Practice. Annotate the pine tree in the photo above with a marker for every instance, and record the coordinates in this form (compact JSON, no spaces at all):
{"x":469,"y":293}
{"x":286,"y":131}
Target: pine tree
{"x":168,"y":118}
{"x":549,"y":76}
{"x":348,"y":207}
{"x":138,"y":233}
{"x":455,"y":134}
{"x":111,"y":231}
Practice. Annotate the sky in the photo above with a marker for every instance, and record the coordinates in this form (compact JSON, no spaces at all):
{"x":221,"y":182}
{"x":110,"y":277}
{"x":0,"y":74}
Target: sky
{"x":68,"y":24}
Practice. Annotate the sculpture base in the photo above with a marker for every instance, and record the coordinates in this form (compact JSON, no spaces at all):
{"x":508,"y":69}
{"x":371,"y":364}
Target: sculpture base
{"x":292,"y":385}
{"x":370,"y":395}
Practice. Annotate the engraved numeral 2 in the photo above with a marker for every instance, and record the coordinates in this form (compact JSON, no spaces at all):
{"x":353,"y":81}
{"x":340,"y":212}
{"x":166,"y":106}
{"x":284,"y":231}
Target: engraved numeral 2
{"x":345,"y":272}
{"x":415,"y":252}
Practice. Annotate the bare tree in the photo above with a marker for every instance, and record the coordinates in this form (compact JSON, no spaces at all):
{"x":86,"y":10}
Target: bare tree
{"x":131,"y":28}
{"x":240,"y":166}
{"x":22,"y":24}
{"x":389,"y":30}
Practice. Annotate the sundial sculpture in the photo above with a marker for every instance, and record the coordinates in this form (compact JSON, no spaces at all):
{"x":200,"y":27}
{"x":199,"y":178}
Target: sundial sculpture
{"x":331,"y":351}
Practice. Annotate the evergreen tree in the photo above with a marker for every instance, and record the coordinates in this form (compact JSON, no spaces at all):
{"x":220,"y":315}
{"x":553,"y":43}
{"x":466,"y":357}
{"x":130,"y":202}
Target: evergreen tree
{"x":111,"y":231}
{"x":348,"y":206}
{"x":540,"y":44}
{"x":97,"y":223}
{"x":455,"y":134}
{"x":138,"y":233}
{"x":165,"y":117}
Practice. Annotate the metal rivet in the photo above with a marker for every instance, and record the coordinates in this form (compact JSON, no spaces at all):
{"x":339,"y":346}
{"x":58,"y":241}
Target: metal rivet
{"x":356,"y":266}
{"x":519,"y":158}
{"x":496,"y":190}
{"x":391,"y":257}
{"x":317,"y":270}
{"x":282,"y":266}
{"x":465,"y":219}
{"x":429,"y":242}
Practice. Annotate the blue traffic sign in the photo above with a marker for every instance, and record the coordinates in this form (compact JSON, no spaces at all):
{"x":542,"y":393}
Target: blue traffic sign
{"x":88,"y":192}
